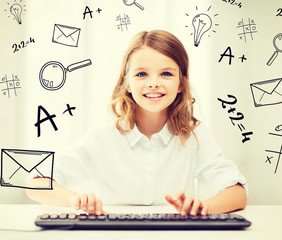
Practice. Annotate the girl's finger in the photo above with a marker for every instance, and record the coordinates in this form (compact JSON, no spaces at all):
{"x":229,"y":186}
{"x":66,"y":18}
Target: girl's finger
{"x":179,"y":199}
{"x":84,"y":202}
{"x":91,"y":203}
{"x":174,"y":202}
{"x":98,"y":206}
{"x":205,"y":209}
{"x":195,"y":207}
{"x":180,"y":196}
{"x":187,"y":205}
{"x":75,"y":202}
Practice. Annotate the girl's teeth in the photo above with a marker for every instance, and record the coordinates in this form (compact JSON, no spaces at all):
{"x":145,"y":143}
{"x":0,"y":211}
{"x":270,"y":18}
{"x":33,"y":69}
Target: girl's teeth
{"x":153,"y":95}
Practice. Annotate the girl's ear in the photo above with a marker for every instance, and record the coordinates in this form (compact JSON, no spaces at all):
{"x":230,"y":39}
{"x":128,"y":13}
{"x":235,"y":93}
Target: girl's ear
{"x":180,"y":88}
{"x":128,"y":88}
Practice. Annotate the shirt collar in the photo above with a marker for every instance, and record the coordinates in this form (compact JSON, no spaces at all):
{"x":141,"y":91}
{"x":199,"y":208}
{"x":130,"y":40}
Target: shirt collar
{"x":134,"y":136}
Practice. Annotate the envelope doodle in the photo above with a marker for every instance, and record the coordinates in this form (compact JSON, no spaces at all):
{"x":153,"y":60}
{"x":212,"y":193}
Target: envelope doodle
{"x":267,"y":92}
{"x":66,"y":35}
{"x":18,"y":166}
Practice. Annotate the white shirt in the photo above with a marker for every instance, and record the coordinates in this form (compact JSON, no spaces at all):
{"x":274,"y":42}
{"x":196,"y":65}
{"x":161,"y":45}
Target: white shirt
{"x":128,"y":168}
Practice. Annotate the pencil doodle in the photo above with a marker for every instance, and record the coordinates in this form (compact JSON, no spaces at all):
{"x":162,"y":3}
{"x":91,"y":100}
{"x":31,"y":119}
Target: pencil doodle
{"x":17,"y":10}
{"x":10,"y":86}
{"x":247,"y":29}
{"x":52,"y":75}
{"x":22,"y":44}
{"x":277,"y":43}
{"x":277,"y":133}
{"x":239,"y":116}
{"x":123,"y":22}
{"x":18,"y":165}
{"x":49,"y":117}
{"x":228,"y":53}
{"x":202,"y":23}
{"x":132,"y":2}
{"x":233,"y":2}
{"x":66,"y":35}
{"x":267,"y":92}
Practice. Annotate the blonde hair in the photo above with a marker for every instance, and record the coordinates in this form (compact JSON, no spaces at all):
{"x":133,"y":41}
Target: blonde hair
{"x":180,"y":119}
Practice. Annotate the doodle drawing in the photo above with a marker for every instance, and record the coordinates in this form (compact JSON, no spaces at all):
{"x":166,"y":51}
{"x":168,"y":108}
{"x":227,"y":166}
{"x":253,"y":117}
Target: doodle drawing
{"x":267,"y":92}
{"x":247,"y":29}
{"x":52,"y":75}
{"x":277,"y":43}
{"x":17,"y":9}
{"x":17,"y":166}
{"x":123,"y":22}
{"x":202,"y":24}
{"x":132,"y":2}
{"x":66,"y":35}
{"x":10,"y":85}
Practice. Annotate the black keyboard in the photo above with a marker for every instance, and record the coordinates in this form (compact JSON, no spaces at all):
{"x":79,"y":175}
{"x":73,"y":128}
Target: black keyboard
{"x":160,"y":221}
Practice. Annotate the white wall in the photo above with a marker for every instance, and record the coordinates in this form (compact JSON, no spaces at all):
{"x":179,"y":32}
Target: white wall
{"x":89,"y":89}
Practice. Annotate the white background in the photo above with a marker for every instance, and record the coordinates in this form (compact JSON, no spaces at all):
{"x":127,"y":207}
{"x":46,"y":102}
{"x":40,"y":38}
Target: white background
{"x":89,"y":89}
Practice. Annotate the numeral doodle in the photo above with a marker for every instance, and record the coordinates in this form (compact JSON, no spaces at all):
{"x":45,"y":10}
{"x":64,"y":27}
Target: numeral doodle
{"x":22,"y":44}
{"x":239,"y":116}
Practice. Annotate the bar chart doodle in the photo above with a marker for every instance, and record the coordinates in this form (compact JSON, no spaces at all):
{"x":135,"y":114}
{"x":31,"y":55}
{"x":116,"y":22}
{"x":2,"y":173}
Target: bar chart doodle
{"x":247,"y":29}
{"x":9,"y":86}
{"x":123,"y":22}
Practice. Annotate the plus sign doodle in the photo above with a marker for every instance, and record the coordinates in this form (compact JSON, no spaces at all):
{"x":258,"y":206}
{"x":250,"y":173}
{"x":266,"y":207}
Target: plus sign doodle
{"x":10,"y":86}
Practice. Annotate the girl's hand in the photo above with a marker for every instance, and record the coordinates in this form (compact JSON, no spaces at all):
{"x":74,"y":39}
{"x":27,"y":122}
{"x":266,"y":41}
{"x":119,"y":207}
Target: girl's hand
{"x":88,"y":203}
{"x":187,"y":205}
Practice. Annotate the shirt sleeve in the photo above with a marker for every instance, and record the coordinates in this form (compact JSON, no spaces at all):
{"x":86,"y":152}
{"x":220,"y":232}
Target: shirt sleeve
{"x":212,"y":166}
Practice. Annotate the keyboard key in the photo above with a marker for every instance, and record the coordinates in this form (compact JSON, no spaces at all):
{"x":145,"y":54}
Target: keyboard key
{"x":72,"y":216}
{"x":44,"y":216}
{"x":54,"y":216}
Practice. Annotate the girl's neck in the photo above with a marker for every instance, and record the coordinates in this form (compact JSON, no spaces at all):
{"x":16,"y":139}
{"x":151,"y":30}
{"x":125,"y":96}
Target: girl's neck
{"x":150,"y":123}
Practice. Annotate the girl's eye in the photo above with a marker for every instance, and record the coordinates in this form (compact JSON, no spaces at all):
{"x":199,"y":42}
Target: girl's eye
{"x":166,"y":74}
{"x":141,"y":74}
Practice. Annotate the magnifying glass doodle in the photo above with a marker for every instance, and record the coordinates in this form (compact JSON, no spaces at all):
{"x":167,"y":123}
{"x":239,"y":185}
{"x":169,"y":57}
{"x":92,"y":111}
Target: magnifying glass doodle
{"x":52,"y":75}
{"x":277,"y":40}
{"x":131,"y":2}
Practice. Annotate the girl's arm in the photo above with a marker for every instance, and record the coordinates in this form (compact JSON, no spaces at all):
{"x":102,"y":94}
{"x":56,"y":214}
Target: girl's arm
{"x":228,"y":200}
{"x":61,"y":196}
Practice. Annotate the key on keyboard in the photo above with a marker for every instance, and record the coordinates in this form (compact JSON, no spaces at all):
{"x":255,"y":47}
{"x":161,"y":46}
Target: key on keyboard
{"x":160,"y":221}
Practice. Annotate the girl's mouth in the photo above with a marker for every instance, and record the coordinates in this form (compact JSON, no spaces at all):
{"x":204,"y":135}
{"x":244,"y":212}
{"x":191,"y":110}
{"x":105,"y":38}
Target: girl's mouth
{"x":154,"y":95}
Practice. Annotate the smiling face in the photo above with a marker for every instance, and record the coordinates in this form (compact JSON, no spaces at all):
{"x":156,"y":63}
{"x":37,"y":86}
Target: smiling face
{"x":152,"y":79}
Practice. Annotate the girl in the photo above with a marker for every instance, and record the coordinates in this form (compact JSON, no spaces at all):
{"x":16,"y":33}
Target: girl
{"x":156,"y":148}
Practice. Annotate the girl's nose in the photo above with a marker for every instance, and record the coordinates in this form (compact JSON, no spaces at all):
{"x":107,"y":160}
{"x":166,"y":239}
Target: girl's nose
{"x":153,"y":83}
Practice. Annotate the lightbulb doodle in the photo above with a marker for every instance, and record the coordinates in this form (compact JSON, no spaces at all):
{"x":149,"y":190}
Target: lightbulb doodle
{"x":16,"y":9}
{"x":202,"y":24}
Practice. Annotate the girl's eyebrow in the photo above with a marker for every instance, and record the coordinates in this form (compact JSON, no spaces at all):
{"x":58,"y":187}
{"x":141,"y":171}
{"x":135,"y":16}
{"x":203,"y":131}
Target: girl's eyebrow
{"x":163,"y":69}
{"x":169,"y":69}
